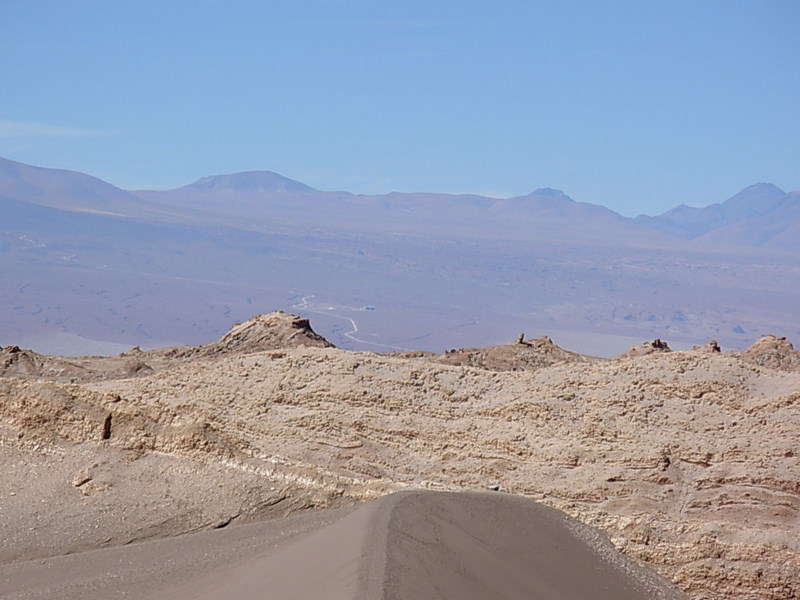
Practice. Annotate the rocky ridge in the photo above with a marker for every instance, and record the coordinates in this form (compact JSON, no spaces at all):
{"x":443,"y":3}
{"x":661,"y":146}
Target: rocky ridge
{"x":522,"y":355}
{"x":688,"y":460}
{"x":271,"y":331}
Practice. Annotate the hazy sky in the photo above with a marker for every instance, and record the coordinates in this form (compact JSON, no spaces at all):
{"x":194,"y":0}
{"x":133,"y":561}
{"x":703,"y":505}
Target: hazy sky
{"x":637,"y":105}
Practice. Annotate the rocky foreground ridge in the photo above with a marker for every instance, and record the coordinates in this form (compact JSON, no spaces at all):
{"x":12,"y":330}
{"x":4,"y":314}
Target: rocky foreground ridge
{"x":688,"y":460}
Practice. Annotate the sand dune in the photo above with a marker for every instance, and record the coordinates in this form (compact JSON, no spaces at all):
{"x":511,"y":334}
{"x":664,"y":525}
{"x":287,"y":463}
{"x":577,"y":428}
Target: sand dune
{"x":489,"y":545}
{"x":409,"y":545}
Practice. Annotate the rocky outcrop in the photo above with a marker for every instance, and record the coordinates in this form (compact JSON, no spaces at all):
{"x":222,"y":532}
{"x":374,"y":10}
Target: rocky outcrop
{"x":15,"y":362}
{"x":271,"y":331}
{"x":522,"y":355}
{"x":708,"y":348}
{"x":26,"y":364}
{"x":773,"y":352}
{"x":653,"y":347}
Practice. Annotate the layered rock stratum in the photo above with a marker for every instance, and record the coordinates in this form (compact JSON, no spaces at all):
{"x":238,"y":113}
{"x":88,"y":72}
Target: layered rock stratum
{"x":687,"y":460}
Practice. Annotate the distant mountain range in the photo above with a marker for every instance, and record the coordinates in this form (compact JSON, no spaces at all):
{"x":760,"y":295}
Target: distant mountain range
{"x":761,"y":215}
{"x":763,"y":212}
{"x":84,"y":261}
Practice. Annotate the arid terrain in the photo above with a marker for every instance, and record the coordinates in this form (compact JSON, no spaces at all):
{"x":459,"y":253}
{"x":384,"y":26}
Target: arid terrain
{"x":89,"y":268}
{"x":688,"y":461}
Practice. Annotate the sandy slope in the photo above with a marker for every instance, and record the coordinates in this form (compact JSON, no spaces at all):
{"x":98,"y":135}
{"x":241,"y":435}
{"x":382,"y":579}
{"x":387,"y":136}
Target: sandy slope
{"x":484,"y":545}
{"x":146,"y":569}
{"x":421,"y":545}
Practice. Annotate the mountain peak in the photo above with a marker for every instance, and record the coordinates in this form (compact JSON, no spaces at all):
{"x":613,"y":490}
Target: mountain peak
{"x":689,"y":222}
{"x":764,"y":186}
{"x":551,"y":193}
{"x":753,"y":198}
{"x":249,"y":181}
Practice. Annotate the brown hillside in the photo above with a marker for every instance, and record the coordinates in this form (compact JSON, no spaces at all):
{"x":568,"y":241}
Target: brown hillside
{"x":687,"y":460}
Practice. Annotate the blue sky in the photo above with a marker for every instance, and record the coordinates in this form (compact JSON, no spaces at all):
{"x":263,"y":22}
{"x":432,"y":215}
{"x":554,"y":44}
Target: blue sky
{"x":635,"y":105}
